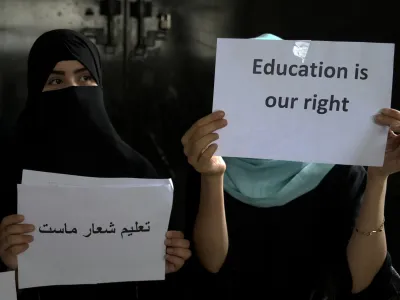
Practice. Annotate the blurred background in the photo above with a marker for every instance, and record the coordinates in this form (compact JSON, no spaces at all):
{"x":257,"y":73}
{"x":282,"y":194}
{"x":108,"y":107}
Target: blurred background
{"x":159,"y":61}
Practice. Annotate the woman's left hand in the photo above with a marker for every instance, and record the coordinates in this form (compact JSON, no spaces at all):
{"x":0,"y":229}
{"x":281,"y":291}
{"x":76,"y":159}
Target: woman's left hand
{"x":391,"y":118}
{"x":177,"y":251}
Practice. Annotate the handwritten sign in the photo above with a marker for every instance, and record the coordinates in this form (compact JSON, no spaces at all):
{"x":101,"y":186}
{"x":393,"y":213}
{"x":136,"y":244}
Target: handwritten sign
{"x":8,"y":289}
{"x":95,"y":234}
{"x":303,"y":101}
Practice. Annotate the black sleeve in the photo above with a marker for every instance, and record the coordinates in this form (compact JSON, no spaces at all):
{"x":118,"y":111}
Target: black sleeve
{"x":352,"y":187}
{"x":385,"y":285}
{"x":8,"y":182}
{"x":9,"y":176}
{"x":192,"y":194}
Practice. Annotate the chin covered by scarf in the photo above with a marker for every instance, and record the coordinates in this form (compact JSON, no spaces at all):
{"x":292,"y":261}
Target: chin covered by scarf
{"x":68,"y":130}
{"x":269,"y":183}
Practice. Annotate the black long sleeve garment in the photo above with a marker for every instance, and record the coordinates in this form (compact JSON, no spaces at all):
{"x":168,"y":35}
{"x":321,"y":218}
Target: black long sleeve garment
{"x":296,"y":251}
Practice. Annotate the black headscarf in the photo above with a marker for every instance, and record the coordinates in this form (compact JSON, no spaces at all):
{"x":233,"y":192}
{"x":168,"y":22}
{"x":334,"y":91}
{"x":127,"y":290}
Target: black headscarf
{"x":68,"y":130}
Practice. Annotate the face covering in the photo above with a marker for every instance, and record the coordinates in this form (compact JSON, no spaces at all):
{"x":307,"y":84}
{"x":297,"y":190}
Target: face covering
{"x":268,"y":183}
{"x":68,"y":130}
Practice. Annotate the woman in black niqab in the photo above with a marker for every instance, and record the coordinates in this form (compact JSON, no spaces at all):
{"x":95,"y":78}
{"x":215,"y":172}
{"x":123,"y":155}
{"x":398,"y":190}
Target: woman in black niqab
{"x":65,"y":128}
{"x":68,"y":130}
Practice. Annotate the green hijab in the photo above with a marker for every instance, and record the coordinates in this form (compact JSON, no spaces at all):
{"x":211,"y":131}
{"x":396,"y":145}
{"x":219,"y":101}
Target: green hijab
{"x":269,"y":183}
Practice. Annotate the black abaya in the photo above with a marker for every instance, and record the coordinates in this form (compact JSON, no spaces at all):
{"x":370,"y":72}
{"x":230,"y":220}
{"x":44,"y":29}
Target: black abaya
{"x":68,"y":131}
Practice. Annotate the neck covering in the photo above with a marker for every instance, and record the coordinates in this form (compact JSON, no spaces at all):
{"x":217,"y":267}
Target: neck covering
{"x":268,"y":183}
{"x":68,"y":130}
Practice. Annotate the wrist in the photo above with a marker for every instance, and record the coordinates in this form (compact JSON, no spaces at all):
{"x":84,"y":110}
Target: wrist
{"x":212,"y":178}
{"x":375,"y":175}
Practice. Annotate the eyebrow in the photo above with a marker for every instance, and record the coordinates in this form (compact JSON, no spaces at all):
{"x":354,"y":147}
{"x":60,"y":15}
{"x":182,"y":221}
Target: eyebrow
{"x":80,"y":70}
{"x":57,"y":72}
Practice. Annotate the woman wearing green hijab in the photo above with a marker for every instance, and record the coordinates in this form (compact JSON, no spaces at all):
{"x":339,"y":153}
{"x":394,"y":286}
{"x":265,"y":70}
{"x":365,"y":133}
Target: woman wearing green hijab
{"x":291,"y":230}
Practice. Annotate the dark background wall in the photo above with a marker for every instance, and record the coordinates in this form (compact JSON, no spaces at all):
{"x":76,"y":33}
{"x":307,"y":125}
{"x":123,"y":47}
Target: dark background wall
{"x":153,"y":99}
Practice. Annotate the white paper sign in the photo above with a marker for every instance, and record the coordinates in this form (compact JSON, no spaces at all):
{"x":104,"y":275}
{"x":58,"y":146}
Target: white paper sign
{"x":303,"y":101}
{"x":8,"y":289}
{"x":43,"y":178}
{"x":89,"y":235}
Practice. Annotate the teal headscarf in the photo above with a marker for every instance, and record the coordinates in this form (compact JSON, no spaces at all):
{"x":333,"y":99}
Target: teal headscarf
{"x":269,"y":183}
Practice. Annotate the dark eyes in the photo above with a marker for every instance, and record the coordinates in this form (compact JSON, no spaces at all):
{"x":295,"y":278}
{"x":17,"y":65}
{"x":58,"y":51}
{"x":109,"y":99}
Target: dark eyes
{"x":58,"y":81}
{"x":54,"y":81}
{"x":86,"y":78}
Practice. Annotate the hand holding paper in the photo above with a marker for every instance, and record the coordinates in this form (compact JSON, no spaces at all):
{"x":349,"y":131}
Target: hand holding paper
{"x":177,"y":251}
{"x":14,"y":239}
{"x":197,"y":148}
{"x":390,"y":118}
{"x":95,"y":230}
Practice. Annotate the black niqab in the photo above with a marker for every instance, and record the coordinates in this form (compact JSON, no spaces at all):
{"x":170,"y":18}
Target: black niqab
{"x":68,"y":130}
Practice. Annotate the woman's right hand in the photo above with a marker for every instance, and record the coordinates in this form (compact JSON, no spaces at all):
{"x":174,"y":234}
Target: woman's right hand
{"x":199,"y":146}
{"x":13,"y":240}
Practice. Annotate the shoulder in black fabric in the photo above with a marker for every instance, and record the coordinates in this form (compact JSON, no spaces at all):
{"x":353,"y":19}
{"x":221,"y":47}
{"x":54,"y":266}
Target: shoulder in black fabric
{"x":68,"y":130}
